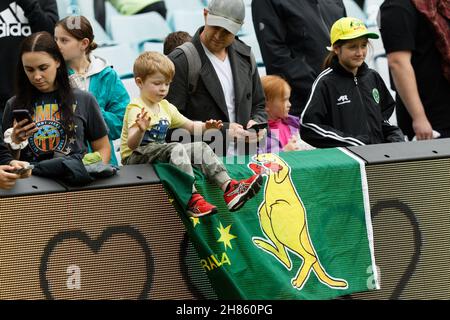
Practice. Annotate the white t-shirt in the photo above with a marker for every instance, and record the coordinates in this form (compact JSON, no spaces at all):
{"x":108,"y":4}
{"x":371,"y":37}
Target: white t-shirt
{"x":223,"y":71}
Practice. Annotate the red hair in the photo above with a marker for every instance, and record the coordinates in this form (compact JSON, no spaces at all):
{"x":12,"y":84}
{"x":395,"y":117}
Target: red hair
{"x":274,"y":87}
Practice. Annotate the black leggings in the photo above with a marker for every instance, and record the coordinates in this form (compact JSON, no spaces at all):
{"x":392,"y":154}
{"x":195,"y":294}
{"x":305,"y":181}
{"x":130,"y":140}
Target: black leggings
{"x":159,"y":7}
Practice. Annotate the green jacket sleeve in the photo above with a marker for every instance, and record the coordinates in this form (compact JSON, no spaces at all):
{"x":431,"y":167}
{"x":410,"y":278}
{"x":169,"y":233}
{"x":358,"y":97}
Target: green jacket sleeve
{"x":114,"y":109}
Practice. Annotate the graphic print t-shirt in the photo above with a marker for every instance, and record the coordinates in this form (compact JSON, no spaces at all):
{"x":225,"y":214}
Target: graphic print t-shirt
{"x":168,"y":118}
{"x":52,"y":135}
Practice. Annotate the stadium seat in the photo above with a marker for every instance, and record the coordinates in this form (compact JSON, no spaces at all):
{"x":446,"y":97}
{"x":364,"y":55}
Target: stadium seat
{"x":173,"y":5}
{"x":86,"y":8}
{"x":100,"y":35}
{"x":110,"y":11}
{"x":152,"y":46}
{"x":121,"y":57}
{"x":353,"y":10}
{"x":138,"y":28}
{"x":186,"y":20}
{"x":67,"y":8}
{"x":132,"y":88}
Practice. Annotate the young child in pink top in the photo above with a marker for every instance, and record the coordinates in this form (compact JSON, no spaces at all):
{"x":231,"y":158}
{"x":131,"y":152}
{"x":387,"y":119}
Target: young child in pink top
{"x":283,"y":132}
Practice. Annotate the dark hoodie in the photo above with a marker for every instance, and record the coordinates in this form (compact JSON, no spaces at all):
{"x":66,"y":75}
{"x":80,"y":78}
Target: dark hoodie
{"x":5,"y":155}
{"x":293,"y":36}
{"x":19,"y":19}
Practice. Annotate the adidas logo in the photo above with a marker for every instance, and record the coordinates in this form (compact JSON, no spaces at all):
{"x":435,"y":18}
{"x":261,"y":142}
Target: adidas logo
{"x":343,"y":100}
{"x":13,"y":22}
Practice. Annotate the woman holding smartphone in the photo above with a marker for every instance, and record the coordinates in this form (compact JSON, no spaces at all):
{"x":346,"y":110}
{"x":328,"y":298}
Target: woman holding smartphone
{"x":64,"y":119}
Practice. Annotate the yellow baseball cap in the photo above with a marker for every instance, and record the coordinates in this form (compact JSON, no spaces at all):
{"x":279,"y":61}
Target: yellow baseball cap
{"x":348,"y":28}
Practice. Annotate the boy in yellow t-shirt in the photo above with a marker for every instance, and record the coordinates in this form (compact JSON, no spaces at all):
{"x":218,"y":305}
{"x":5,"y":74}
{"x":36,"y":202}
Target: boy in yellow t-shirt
{"x":145,"y":126}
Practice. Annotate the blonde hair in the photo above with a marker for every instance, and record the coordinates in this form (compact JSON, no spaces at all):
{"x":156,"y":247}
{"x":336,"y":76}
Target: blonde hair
{"x":274,"y":87}
{"x":151,"y":62}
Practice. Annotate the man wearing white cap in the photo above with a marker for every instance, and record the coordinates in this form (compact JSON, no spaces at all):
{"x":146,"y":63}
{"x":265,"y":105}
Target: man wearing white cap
{"x":228,"y":87}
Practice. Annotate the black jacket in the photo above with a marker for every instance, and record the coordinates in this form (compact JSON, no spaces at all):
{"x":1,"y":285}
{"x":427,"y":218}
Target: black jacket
{"x":5,"y":154}
{"x":41,"y":15}
{"x":344,"y":110}
{"x":293,"y":35}
{"x":69,"y":169}
{"x":414,"y":33}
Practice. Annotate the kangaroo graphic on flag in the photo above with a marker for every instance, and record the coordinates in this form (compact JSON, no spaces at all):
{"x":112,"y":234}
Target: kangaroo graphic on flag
{"x":283,"y":220}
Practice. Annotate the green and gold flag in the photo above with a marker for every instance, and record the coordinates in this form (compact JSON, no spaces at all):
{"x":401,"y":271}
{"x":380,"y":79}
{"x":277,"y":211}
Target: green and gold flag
{"x":306,"y":235}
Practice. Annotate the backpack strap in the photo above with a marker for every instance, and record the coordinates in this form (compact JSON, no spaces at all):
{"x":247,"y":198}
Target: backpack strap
{"x":194,"y":64}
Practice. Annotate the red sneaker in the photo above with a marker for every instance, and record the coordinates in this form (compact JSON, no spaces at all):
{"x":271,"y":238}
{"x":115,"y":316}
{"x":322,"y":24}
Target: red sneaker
{"x":199,"y":207}
{"x":240,"y":191}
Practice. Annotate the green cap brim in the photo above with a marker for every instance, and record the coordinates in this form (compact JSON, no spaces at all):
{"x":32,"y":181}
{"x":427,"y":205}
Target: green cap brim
{"x":370,"y":35}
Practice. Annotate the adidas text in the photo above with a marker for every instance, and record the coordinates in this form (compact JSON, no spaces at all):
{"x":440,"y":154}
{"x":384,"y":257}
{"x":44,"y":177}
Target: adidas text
{"x":14,"y":30}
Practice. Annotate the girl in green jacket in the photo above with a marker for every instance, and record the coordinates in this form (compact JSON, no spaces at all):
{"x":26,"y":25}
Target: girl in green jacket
{"x":75,"y":39}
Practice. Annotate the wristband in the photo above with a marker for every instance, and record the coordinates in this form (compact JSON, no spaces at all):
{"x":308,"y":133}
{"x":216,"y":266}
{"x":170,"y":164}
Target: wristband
{"x":8,"y":139}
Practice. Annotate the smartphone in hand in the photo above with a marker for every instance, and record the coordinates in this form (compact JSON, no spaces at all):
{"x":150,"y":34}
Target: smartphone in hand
{"x":259,"y":126}
{"x":21,"y":171}
{"x":20,"y":114}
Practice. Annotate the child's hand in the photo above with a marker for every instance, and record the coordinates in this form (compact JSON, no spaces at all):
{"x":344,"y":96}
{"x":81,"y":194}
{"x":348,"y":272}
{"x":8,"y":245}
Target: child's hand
{"x":213,"y":124}
{"x":292,"y":144}
{"x":143,"y":120}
